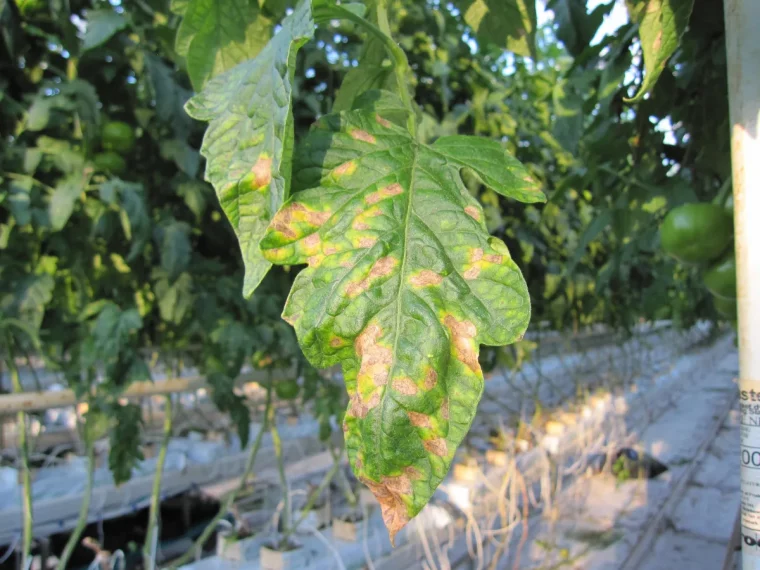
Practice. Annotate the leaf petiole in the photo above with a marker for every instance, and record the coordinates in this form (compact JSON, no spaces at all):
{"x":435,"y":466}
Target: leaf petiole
{"x":323,"y":12}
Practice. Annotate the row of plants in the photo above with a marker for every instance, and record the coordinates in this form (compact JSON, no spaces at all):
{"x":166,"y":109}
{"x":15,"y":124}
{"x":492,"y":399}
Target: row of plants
{"x":113,"y":242}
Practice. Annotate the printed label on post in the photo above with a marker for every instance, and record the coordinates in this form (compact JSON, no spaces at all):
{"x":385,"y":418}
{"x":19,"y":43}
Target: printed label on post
{"x":749,"y":403}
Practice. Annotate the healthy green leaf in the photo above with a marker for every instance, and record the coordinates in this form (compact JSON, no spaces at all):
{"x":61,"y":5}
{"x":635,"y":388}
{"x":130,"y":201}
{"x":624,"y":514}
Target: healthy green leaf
{"x":29,"y":298}
{"x":249,"y":142}
{"x":597,"y":225}
{"x":170,"y":97}
{"x":18,"y":200}
{"x":125,"y":439}
{"x":175,"y":299}
{"x":404,"y":284}
{"x":64,"y":199}
{"x":216,"y":35}
{"x":111,"y":332}
{"x":226,"y":400}
{"x":101,"y":25}
{"x":507,"y":24}
{"x":375,"y":71}
{"x":661,"y":25}
{"x":575,"y":26}
{"x":194,"y":193}
{"x":175,"y":248}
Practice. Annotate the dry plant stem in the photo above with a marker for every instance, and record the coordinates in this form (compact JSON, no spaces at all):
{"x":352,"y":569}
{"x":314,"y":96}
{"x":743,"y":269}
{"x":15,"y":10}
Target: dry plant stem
{"x":312,"y":499}
{"x":155,"y":498}
{"x":26,"y":477}
{"x":71,"y":544}
{"x":277,"y":444}
{"x":230,"y":499}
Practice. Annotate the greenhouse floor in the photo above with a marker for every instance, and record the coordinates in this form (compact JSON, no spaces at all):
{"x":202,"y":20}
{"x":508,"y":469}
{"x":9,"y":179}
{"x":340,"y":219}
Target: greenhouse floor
{"x":685,"y":517}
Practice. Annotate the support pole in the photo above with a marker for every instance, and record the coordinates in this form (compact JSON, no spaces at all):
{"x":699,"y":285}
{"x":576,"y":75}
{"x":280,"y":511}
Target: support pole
{"x":743,"y":53}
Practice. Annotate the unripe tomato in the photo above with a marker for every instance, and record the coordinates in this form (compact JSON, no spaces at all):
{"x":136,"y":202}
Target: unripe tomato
{"x":111,"y":162}
{"x":118,"y":136}
{"x":696,"y":233}
{"x":725,"y":307}
{"x":287,"y":389}
{"x":720,"y":279}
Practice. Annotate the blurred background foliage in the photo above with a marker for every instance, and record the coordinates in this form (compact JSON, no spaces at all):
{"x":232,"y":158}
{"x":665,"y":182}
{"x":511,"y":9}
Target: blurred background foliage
{"x":109,"y":248}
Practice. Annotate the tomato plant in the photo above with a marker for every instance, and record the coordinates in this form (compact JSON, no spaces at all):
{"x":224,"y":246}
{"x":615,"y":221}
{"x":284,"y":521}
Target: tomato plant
{"x":399,"y":150}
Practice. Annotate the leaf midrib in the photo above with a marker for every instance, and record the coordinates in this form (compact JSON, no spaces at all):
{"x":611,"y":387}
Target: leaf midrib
{"x":407,"y":222}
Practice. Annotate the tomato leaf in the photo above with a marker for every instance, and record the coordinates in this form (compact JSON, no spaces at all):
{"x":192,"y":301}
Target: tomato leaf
{"x":175,"y":247}
{"x":63,"y":200}
{"x":226,"y":400}
{"x":216,"y":35}
{"x":404,"y":283}
{"x":507,"y":24}
{"x":661,"y":25}
{"x":375,"y":71}
{"x":249,"y":142}
{"x":125,"y":438}
{"x":101,"y":26}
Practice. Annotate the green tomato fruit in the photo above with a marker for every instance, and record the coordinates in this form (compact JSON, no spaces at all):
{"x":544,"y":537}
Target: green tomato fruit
{"x":720,"y":279}
{"x":287,"y":389}
{"x":725,"y":306}
{"x":118,"y":136}
{"x":696,"y":233}
{"x":109,"y":161}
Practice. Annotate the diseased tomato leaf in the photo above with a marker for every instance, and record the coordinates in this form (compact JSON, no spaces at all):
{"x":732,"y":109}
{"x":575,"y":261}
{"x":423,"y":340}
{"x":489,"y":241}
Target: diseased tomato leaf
{"x":249,"y":141}
{"x":214,"y":36}
{"x":403,"y":285}
{"x":661,"y":25}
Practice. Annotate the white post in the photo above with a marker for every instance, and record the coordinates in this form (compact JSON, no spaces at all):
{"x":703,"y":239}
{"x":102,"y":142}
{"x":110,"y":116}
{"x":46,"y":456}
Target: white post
{"x":743,"y":54}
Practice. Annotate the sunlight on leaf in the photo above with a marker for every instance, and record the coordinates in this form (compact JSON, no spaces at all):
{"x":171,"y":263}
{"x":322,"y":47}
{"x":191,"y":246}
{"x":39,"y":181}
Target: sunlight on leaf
{"x":661,"y":25}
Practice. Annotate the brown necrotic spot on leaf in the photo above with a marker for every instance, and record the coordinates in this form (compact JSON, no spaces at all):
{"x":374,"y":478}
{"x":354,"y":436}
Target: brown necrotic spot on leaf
{"x":476,"y":255}
{"x":419,"y":420}
{"x":336,"y":342}
{"x":405,"y":386}
{"x":445,"y":409}
{"x":431,"y":379}
{"x":312,"y":241}
{"x":375,"y":358}
{"x":330,"y":249}
{"x":382,"y":267}
{"x":471,"y":273}
{"x":366,"y":242}
{"x":493,"y":258}
{"x":360,"y":408}
{"x":390,"y":493}
{"x":462,"y":337}
{"x":291,"y":319}
{"x":384,"y":122}
{"x":317,"y":219}
{"x":296,"y":212}
{"x":344,"y":169}
{"x":657,"y":44}
{"x":473,"y":212}
{"x":437,"y":446}
{"x":284,"y":218}
{"x":392,"y":190}
{"x":360,"y":135}
{"x":425,"y":278}
{"x":262,"y":171}
{"x":360,"y":225}
{"x":315,"y":260}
